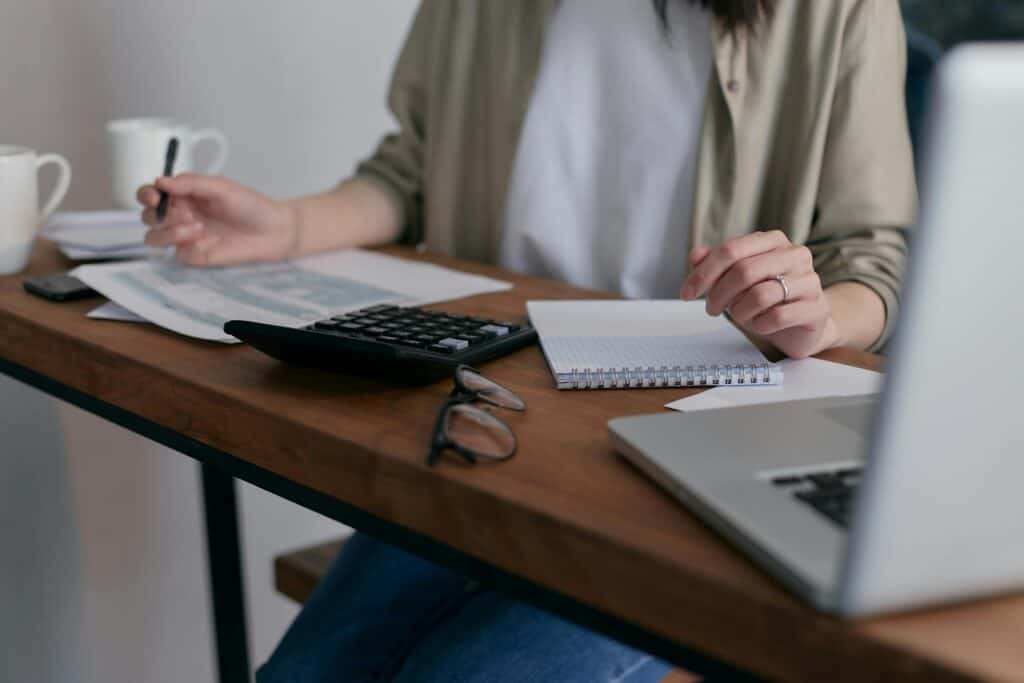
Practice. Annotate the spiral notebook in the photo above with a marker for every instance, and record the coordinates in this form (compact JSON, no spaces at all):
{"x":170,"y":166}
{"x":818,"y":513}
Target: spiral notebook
{"x":624,"y":344}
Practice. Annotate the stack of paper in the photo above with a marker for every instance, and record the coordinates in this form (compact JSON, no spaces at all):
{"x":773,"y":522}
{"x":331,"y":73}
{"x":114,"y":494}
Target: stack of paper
{"x":98,"y":235}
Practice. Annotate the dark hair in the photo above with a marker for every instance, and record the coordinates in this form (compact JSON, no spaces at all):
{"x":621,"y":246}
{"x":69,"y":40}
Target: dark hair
{"x":735,"y":13}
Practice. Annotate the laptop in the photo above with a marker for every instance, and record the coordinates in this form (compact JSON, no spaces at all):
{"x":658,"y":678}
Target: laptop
{"x":867,"y":505}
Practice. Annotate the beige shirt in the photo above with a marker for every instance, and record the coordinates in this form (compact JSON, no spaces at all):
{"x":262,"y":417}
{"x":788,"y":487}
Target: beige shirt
{"x":804,"y":130}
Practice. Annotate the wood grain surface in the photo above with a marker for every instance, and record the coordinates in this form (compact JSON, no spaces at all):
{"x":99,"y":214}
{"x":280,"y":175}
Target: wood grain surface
{"x":566,"y":513}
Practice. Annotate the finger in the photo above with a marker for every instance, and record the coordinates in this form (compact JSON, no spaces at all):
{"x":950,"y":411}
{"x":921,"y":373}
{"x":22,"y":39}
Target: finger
{"x":193,"y":185}
{"x":178,"y":213}
{"x":745,"y":273}
{"x":807,"y":313}
{"x":697,"y":254}
{"x":200,"y":252}
{"x":176,"y":235}
{"x":148,"y":196}
{"x":721,"y":258}
{"x":764,"y":295}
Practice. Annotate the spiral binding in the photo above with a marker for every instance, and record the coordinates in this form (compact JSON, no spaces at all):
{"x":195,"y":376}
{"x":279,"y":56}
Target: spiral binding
{"x":665,"y":376}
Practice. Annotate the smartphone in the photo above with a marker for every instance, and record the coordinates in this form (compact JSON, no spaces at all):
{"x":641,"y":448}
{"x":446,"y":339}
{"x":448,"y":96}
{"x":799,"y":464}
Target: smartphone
{"x":59,"y":287}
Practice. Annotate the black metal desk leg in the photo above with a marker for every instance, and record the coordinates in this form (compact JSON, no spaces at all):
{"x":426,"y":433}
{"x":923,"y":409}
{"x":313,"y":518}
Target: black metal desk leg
{"x":226,"y":588}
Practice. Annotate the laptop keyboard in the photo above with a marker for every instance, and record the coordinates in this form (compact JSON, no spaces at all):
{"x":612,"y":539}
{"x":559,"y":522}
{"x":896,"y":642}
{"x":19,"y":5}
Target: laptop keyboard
{"x":830,"y":493}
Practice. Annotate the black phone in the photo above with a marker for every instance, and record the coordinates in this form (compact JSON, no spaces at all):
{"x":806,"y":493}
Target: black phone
{"x":59,"y":287}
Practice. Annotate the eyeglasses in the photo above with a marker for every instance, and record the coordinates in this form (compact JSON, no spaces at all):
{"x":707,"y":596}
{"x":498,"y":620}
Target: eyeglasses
{"x":472,"y":432}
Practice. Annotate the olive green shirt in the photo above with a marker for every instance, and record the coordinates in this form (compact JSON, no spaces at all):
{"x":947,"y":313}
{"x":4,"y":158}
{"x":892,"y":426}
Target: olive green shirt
{"x":804,"y":130}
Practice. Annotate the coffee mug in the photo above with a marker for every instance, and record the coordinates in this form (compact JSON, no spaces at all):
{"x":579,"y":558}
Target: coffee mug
{"x":138,"y":148}
{"x":20,"y":216}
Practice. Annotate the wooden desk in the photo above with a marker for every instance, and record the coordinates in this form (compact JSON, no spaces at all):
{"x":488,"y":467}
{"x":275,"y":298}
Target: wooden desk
{"x":566,"y":523}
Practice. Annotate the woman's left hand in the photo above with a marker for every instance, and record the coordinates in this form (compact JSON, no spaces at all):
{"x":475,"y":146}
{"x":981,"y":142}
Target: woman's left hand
{"x":739,"y":277}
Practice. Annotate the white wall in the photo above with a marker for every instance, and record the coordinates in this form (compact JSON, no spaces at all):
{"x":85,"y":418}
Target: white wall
{"x":102,"y":575}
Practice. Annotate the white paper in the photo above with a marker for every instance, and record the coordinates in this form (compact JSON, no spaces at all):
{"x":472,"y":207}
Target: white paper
{"x":805,"y":379}
{"x":112,"y":311}
{"x":99,"y":235}
{"x":197,"y":302}
{"x":600,"y":336}
{"x":96,"y":230}
{"x":78,"y":254}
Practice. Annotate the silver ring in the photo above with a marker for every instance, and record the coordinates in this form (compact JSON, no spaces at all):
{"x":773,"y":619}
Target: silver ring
{"x":781,"y":279}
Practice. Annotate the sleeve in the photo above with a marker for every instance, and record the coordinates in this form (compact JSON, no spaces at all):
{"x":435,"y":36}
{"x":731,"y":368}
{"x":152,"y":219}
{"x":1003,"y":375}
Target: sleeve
{"x":867,"y":197}
{"x":396,"y":166}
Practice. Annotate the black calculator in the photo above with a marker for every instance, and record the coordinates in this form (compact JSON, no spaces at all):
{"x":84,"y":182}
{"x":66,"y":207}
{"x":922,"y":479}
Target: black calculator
{"x":404,"y":344}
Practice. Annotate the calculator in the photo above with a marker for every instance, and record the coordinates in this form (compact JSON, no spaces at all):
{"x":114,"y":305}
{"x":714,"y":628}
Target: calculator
{"x":404,"y":344}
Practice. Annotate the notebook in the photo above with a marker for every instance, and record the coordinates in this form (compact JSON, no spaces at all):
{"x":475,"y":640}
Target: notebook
{"x":623,"y":344}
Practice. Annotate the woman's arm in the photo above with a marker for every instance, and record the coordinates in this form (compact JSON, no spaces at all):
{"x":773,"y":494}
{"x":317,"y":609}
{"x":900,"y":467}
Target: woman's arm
{"x":216,"y":221}
{"x":357,"y":213}
{"x":844,"y":282}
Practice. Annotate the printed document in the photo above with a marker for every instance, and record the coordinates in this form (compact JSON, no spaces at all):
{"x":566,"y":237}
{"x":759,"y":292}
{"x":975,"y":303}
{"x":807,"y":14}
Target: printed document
{"x":198,"y":301}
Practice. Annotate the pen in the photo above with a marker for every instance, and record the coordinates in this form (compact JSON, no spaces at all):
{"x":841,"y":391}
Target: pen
{"x":172,"y":152}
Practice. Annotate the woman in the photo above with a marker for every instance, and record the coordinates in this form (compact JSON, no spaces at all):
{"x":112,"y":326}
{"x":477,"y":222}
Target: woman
{"x":600,"y":142}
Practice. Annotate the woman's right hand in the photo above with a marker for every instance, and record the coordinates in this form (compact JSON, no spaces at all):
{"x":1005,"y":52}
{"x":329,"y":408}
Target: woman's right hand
{"x":215,"y":221}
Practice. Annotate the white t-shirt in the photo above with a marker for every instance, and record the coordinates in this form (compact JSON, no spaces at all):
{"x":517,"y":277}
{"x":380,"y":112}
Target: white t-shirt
{"x":602,"y":186}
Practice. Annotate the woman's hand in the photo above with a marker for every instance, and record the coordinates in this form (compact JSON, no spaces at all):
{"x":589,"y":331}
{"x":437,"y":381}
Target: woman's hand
{"x":215,"y":221}
{"x":738,"y":278}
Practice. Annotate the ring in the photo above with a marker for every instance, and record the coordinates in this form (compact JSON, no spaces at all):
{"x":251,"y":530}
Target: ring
{"x":781,"y":279}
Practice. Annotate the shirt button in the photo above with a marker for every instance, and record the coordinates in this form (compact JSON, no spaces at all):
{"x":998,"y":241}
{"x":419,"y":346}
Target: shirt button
{"x":733,"y":85}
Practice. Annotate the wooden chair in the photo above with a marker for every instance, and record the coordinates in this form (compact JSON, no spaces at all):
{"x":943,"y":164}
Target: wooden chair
{"x":297,"y":574}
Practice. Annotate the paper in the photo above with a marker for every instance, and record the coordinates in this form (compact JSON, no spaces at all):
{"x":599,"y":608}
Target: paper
{"x":197,"y":302}
{"x":94,"y":235}
{"x":96,"y":230}
{"x":591,"y":338}
{"x":805,"y":379}
{"x":112,"y":311}
{"x":79,"y":254}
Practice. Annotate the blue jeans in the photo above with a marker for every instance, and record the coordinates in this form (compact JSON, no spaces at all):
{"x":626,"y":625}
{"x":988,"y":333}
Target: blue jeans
{"x":384,"y":615}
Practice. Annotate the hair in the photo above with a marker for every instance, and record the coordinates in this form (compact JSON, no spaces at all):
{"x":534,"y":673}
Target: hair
{"x":735,"y":13}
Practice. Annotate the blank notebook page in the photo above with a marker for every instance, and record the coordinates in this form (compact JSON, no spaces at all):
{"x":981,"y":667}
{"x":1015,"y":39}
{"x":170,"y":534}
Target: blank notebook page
{"x":580,"y":337}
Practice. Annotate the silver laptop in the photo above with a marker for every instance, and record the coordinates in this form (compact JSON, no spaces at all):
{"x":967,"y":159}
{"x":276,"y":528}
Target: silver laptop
{"x":862,"y":506}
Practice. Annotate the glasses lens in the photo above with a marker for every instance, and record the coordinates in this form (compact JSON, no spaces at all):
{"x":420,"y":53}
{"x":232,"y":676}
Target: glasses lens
{"x":489,"y":391}
{"x":479,"y":431}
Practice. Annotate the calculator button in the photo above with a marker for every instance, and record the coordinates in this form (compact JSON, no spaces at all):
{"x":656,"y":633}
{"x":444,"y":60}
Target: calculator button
{"x":454,"y":343}
{"x":470,"y":338}
{"x":413,"y":343}
{"x":388,"y":339}
{"x":326,"y":325}
{"x":492,"y":330}
{"x":439,"y":348}
{"x":375,"y":330}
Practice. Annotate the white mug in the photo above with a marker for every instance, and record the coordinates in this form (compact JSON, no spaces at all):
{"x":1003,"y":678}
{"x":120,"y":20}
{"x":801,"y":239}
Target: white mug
{"x":20,"y":216}
{"x":138,"y":148}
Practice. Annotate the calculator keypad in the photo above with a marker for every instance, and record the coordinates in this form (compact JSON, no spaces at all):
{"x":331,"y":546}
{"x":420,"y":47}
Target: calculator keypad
{"x":441,"y":333}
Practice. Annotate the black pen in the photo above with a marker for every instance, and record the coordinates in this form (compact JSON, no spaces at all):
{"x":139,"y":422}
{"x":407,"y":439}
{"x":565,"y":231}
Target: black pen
{"x":172,"y":152}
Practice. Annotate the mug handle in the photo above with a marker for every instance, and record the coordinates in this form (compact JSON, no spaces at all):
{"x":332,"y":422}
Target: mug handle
{"x":60,"y":189}
{"x":213,"y":135}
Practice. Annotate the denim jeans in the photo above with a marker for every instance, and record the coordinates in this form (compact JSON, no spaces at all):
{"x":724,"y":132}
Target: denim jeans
{"x":384,"y":615}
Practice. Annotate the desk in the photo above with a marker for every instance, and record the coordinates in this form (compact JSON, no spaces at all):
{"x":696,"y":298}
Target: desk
{"x":566,"y":524}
